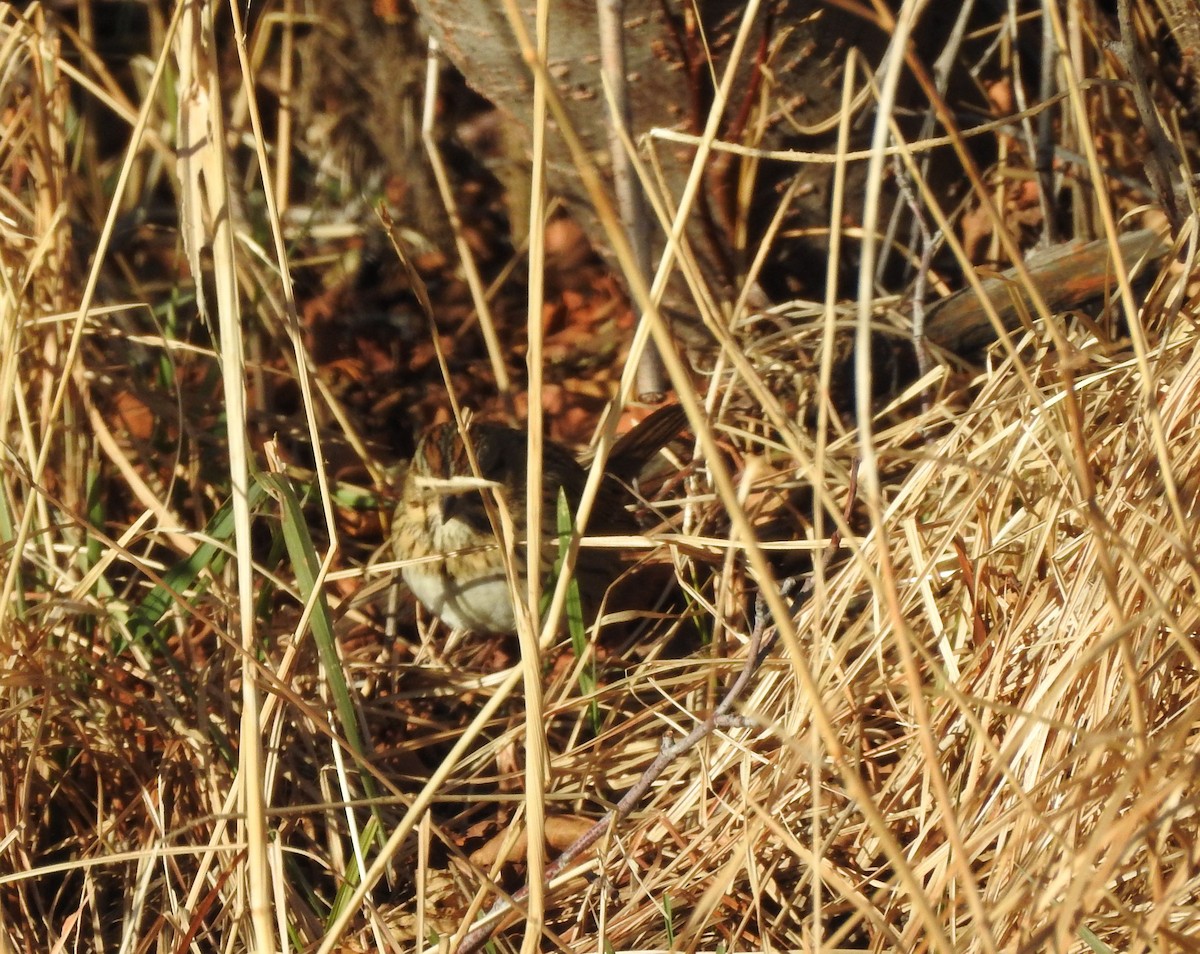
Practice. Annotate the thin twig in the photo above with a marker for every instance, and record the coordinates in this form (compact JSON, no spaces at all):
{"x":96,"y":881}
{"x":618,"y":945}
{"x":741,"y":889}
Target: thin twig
{"x":929,"y":244}
{"x":1043,"y":156}
{"x":943,"y":68}
{"x":763,"y":636}
{"x":756,"y":652}
{"x":1162,"y":160}
{"x":651,"y":383}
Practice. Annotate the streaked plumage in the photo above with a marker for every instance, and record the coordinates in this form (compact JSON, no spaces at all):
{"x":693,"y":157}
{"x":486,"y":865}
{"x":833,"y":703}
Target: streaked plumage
{"x":442,"y":527}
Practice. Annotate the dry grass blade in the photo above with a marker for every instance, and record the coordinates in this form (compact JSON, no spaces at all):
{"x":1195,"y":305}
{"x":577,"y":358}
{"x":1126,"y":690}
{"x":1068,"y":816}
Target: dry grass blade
{"x":207,"y":223}
{"x":977,"y":729}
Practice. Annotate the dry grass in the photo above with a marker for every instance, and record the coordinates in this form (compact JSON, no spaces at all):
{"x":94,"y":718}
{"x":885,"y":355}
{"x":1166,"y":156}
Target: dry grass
{"x":977,"y":731}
